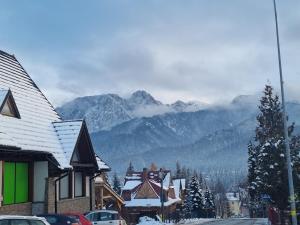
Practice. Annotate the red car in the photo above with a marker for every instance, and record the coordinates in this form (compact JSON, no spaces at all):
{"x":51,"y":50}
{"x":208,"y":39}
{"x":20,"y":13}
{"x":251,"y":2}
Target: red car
{"x":80,"y":218}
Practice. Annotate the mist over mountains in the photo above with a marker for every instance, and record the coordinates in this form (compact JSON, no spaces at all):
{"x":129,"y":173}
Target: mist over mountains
{"x":142,"y":129}
{"x":102,"y":112}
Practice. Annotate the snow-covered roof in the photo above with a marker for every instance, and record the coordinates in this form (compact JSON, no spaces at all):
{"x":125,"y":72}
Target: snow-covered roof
{"x":159,"y":185}
{"x":101,"y":164}
{"x":68,"y":132}
{"x":131,"y":184}
{"x":232,"y":196}
{"x":40,"y":128}
{"x":3,"y":93}
{"x":7,"y":141}
{"x":176,"y":184}
{"x":167,"y":180}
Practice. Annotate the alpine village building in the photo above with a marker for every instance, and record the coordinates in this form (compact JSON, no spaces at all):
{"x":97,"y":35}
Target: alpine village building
{"x":47,"y":165}
{"x":142,"y":194}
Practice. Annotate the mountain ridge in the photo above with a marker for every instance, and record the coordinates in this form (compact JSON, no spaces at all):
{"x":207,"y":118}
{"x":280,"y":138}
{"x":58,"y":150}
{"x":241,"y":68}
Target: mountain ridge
{"x":102,"y":112}
{"x":211,"y":137}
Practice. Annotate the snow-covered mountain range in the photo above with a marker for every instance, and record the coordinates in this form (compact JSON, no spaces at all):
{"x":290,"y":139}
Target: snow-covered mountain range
{"x":144,"y":130}
{"x":102,"y":112}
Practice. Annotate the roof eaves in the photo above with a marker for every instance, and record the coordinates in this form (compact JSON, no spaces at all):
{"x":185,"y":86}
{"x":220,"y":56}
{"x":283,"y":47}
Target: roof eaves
{"x":105,"y":167}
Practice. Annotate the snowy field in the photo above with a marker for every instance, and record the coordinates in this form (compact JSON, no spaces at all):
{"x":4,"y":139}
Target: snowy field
{"x":196,"y":221}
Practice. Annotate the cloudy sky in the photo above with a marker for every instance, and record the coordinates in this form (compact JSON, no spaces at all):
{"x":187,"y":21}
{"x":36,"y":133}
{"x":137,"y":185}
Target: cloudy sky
{"x":207,"y":50}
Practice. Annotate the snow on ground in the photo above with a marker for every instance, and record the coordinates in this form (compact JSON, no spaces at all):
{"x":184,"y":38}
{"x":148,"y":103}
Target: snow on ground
{"x":196,"y":221}
{"x":149,"y":221}
{"x":262,"y":221}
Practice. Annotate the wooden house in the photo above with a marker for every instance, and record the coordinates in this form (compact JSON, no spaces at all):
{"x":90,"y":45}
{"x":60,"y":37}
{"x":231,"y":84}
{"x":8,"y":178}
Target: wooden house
{"x":47,"y":165}
{"x":142,"y":195}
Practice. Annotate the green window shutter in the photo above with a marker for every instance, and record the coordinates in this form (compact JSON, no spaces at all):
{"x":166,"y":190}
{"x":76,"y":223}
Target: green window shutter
{"x":9,"y":183}
{"x":21,"y":182}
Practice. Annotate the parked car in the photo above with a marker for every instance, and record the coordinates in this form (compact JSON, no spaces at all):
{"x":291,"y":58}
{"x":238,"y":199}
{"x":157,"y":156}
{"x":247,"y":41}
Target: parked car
{"x":103,"y":217}
{"x":22,"y":220}
{"x":79,"y":217}
{"x":57,"y":219}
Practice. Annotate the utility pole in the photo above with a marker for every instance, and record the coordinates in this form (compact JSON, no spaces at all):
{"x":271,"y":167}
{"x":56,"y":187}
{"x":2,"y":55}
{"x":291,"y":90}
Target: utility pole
{"x":286,"y":135}
{"x":162,"y":176}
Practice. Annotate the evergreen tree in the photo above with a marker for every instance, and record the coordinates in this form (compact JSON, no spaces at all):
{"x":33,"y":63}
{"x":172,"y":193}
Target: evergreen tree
{"x":188,"y":175}
{"x":116,"y":184}
{"x":187,"y":207}
{"x":220,"y":199}
{"x":252,"y":188}
{"x":184,"y":175}
{"x":196,"y":197}
{"x":266,"y":162}
{"x":209,"y":204}
{"x":130,"y":168}
{"x":178,"y":174}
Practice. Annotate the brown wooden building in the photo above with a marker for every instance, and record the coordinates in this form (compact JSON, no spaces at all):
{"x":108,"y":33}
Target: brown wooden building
{"x":106,"y":197}
{"x":142,"y":194}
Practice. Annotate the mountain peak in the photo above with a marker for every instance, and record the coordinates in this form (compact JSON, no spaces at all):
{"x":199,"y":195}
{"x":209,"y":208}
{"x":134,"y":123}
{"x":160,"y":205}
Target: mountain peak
{"x":142,"y":97}
{"x":246,"y":100}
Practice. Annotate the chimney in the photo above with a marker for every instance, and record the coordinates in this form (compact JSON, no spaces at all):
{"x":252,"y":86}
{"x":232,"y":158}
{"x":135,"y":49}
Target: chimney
{"x":144,"y":174}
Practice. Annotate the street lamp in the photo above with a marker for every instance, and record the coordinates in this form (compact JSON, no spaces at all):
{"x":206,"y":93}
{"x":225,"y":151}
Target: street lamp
{"x":161,"y":177}
{"x":286,"y":136}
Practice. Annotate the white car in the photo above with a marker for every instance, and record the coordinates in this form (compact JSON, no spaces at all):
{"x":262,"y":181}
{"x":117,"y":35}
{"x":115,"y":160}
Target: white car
{"x":105,"y":217}
{"x":22,"y":220}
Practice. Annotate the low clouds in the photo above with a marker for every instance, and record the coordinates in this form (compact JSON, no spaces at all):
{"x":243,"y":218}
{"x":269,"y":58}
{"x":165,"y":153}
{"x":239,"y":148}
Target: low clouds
{"x":205,"y":50}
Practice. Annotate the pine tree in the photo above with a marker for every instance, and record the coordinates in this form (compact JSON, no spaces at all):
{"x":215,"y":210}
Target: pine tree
{"x":187,"y":207}
{"x":116,"y":184}
{"x":266,"y":161}
{"x":130,"y":169}
{"x":252,"y":189}
{"x":178,"y":171}
{"x":188,"y":175}
{"x":196,"y":195}
{"x":209,"y":204}
{"x":220,"y":199}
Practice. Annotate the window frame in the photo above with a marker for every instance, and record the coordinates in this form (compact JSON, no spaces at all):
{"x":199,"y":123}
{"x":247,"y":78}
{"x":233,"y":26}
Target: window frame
{"x":83,"y":194}
{"x":69,"y":195}
{"x":10,"y":107}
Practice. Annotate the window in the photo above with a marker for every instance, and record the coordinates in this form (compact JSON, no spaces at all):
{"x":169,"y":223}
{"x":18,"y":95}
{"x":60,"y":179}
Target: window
{"x":3,"y":222}
{"x":15,"y":183}
{"x":64,"y":188}
{"x":105,"y":216}
{"x":19,"y":222}
{"x":51,"y":219}
{"x":36,"y":222}
{"x":78,"y":184}
{"x":9,"y":108}
{"x":94,"y":216}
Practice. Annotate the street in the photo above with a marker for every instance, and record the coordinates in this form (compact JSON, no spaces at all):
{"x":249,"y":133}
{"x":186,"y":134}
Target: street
{"x":237,"y":222}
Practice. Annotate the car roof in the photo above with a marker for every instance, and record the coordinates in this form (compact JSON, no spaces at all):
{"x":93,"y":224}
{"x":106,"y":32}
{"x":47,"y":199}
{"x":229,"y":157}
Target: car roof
{"x":21,"y":217}
{"x":103,"y":210}
{"x":51,"y":214}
